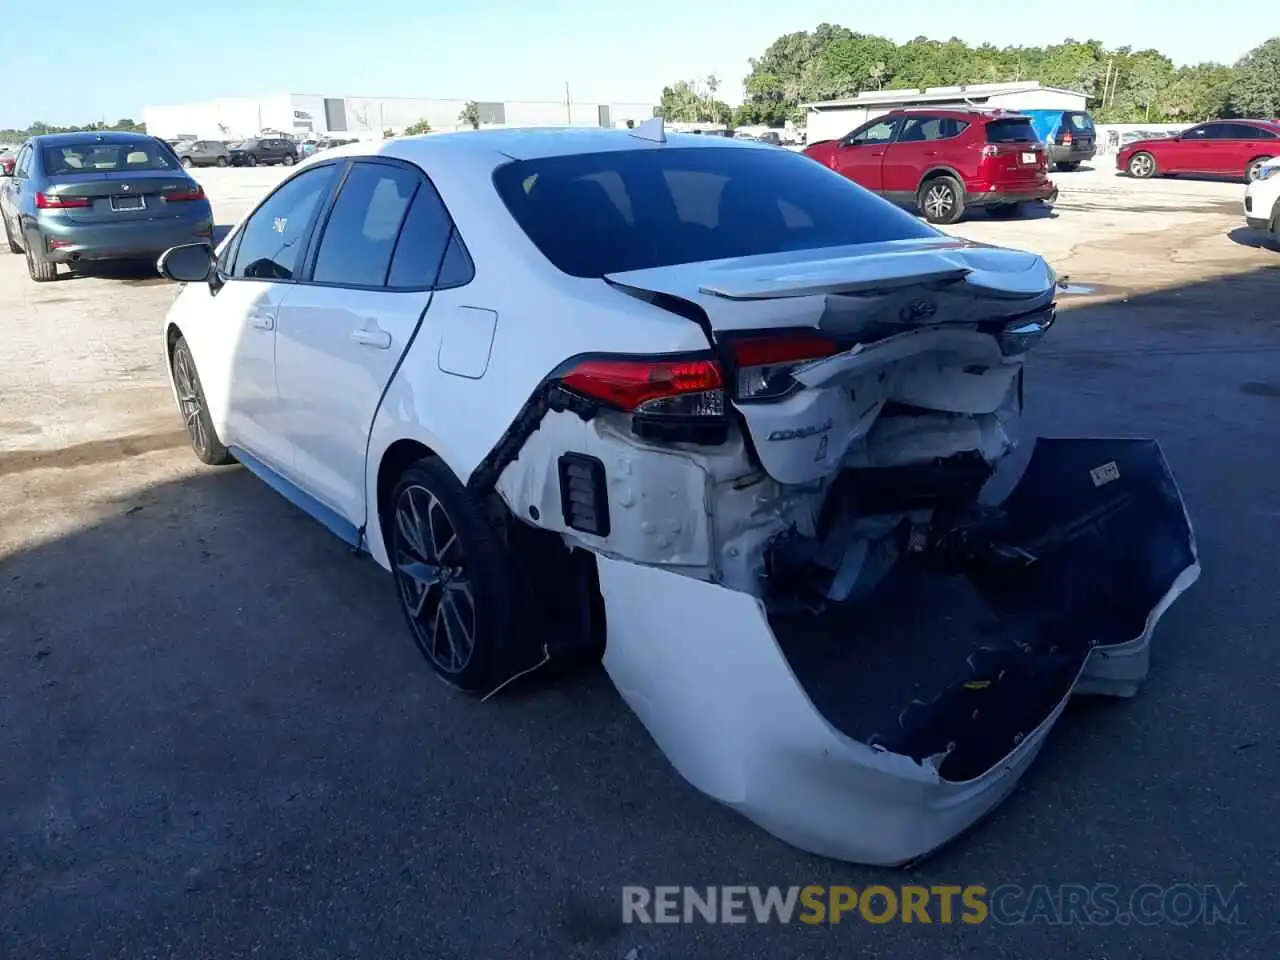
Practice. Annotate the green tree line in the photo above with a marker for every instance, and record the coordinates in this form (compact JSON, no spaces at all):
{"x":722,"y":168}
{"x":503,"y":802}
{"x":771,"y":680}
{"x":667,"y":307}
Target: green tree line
{"x":40,"y":128}
{"x":1123,"y":85}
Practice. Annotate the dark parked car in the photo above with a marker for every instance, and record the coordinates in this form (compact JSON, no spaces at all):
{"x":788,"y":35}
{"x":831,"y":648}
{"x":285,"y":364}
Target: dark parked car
{"x":76,"y":197}
{"x":203,"y":153}
{"x":260,"y":151}
{"x":1068,"y":135}
{"x":1236,"y":148}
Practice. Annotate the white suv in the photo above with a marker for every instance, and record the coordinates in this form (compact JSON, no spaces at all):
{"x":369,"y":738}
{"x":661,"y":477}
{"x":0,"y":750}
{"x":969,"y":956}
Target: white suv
{"x":691,"y":400}
{"x":1262,"y":199}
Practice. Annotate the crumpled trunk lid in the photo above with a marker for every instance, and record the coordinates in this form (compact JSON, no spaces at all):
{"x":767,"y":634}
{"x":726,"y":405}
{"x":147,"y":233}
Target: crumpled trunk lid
{"x":919,"y":321}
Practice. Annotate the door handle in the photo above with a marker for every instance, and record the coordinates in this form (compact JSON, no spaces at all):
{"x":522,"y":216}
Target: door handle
{"x":378,"y":339}
{"x":878,"y":153}
{"x":263,"y":321}
{"x":931,"y":153}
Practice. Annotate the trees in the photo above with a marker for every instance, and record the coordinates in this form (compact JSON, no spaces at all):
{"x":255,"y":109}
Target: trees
{"x":831,"y":62}
{"x":40,"y":128}
{"x":470,"y":115}
{"x":417,"y":127}
{"x":694,"y":101}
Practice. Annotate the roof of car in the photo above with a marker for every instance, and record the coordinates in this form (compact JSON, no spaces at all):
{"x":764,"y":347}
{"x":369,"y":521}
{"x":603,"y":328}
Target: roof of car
{"x":534,"y":142}
{"x":960,"y":113}
{"x":105,"y":136}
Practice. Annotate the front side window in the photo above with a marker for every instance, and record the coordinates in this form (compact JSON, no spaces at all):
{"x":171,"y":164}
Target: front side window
{"x":271,"y":240}
{"x":690,"y":204}
{"x":99,"y":157}
{"x":361,"y":234}
{"x":876,"y":133}
{"x":1200,"y":133}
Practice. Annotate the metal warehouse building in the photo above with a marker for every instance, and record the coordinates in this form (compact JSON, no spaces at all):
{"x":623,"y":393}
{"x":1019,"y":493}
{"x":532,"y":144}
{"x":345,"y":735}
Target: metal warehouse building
{"x":834,"y":118}
{"x":305,"y":114}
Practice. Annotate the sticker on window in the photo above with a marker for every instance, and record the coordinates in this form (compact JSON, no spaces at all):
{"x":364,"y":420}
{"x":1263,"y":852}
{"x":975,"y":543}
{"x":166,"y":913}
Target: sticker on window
{"x":1105,"y":473}
{"x":279,"y":224}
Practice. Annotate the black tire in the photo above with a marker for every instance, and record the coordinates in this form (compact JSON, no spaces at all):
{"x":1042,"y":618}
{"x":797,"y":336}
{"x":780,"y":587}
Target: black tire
{"x":1005,"y":211}
{"x":941,"y":200}
{"x":194,"y":409}
{"x":8,"y":235}
{"x":220,"y":162}
{"x":38,"y":268}
{"x":186,"y":162}
{"x":1142,"y":165}
{"x":462,"y":620}
{"x":1255,"y":167}
{"x":1068,"y":166}
{"x":287,"y":160}
{"x":251,"y":160}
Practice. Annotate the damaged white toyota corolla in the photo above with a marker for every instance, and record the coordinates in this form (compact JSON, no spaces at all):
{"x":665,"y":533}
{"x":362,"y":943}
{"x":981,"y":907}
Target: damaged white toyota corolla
{"x":715,"y":409}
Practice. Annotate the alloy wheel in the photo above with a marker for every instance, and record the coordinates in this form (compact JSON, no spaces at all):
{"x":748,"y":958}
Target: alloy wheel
{"x":431,"y":575}
{"x":189,"y":401}
{"x":1254,"y":170}
{"x":938,"y":201}
{"x":1141,"y":165}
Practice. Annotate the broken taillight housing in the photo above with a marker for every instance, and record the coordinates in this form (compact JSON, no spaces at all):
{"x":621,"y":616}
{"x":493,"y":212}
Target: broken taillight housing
{"x":675,"y":400}
{"x":1023,"y":333}
{"x":764,"y":364}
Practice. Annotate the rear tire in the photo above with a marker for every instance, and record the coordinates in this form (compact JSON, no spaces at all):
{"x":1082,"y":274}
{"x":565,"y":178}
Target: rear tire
{"x":1252,"y":171}
{"x":1068,"y":166}
{"x":205,"y":443}
{"x":186,"y":162}
{"x":38,"y":268}
{"x":941,"y":200}
{"x":453,"y":578}
{"x":220,"y":162}
{"x":1142,"y":165}
{"x":1005,"y":211}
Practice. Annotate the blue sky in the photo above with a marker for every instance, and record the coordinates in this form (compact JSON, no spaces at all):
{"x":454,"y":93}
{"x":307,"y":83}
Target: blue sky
{"x":110,"y":60}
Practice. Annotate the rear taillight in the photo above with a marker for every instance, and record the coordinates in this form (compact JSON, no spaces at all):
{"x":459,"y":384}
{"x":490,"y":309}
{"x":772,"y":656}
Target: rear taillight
{"x":1066,"y":139}
{"x":764,"y":364}
{"x":684,"y":388}
{"x":191,"y":193}
{"x":990,"y":150}
{"x":55,"y":201}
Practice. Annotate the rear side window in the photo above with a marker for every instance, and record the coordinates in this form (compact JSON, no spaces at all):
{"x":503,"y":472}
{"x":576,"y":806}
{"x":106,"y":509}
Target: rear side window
{"x":95,"y":157}
{"x":1011,"y":130}
{"x":362,"y":230}
{"x":601,"y":213}
{"x":427,"y":234}
{"x":925,"y":129}
{"x":1075,"y":120}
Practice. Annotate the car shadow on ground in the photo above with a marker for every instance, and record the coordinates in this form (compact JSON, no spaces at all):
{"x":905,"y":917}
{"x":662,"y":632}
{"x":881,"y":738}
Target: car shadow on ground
{"x":215,"y":727}
{"x":1258,"y":239}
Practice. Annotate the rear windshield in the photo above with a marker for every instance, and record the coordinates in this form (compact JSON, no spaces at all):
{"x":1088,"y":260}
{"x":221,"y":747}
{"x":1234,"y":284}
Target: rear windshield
{"x":1077,"y":121}
{"x":600,"y":213}
{"x":1011,"y":130}
{"x":94,"y":157}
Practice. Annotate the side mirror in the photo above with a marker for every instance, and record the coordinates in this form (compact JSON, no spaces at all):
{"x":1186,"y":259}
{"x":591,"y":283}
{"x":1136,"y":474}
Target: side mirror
{"x":189,"y":263}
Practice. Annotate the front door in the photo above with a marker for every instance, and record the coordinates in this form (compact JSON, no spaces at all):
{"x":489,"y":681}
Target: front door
{"x":1191,"y":152}
{"x":860,"y":156}
{"x":342,"y":333}
{"x":259,"y":267}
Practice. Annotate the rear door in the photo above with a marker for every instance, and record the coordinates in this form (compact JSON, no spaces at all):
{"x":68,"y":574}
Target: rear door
{"x":1242,"y":143}
{"x":860,"y":156}
{"x":343,"y":331}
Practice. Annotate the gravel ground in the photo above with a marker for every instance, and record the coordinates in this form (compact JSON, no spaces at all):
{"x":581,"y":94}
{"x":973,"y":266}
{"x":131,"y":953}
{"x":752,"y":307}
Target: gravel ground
{"x":216,"y":739}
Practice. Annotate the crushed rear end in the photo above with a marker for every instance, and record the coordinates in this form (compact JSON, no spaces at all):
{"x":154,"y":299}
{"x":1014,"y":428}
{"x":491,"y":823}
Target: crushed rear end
{"x":819,"y":601}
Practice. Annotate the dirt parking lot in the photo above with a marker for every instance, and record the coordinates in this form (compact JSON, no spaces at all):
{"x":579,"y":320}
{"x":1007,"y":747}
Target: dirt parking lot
{"x":216,"y":739}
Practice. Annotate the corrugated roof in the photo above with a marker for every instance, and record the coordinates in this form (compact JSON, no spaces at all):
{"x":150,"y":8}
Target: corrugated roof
{"x":971,"y":91}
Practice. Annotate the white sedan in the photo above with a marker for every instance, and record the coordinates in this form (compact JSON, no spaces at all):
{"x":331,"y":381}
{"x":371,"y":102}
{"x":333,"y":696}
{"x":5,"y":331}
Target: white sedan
{"x":697,"y":403}
{"x":1262,"y":199}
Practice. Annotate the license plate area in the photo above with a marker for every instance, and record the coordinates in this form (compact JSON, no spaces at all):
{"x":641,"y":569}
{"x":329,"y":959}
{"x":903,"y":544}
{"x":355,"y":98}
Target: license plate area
{"x":127,"y":202}
{"x":1029,"y":158}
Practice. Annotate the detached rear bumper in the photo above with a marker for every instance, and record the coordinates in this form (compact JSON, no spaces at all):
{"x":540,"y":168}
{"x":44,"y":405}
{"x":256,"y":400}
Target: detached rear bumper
{"x":705,"y":672}
{"x":64,"y":241}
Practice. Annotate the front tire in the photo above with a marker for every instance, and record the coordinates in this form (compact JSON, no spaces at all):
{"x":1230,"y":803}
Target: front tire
{"x":186,"y":162}
{"x":195,"y":410}
{"x":220,"y":162}
{"x":941,"y":200}
{"x":453,"y":578}
{"x":1254,"y":170}
{"x":1142,"y":165}
{"x":252,"y":160}
{"x":287,"y":160}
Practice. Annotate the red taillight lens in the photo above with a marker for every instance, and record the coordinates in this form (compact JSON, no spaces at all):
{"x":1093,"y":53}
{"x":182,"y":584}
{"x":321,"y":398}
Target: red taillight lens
{"x":177,"y":196}
{"x":660,"y":387}
{"x":54,"y":201}
{"x":764,"y":364}
{"x":1066,"y":139}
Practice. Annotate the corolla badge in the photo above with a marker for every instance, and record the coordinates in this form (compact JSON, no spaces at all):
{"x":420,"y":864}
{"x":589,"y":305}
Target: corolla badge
{"x":125,"y":186}
{"x":917,"y":311}
{"x":800,"y":433}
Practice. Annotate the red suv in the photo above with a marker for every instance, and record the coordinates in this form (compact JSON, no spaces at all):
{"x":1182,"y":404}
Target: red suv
{"x":1231,"y":147}
{"x":945,"y":161}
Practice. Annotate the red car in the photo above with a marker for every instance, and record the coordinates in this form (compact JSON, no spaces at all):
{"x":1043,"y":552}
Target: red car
{"x":1236,"y":148}
{"x":6,"y":165}
{"x":944,"y":162}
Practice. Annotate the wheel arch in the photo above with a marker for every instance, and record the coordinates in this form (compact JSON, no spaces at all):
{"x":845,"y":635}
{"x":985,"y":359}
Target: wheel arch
{"x":387,"y":458}
{"x":934,"y":173}
{"x":1262,"y":156}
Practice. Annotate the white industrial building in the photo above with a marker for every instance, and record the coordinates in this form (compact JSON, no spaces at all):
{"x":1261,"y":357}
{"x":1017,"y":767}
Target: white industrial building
{"x":831,"y":119}
{"x":305,"y":114}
